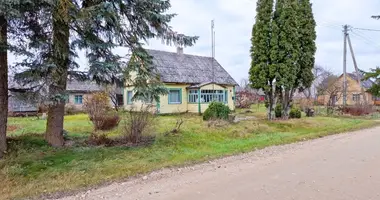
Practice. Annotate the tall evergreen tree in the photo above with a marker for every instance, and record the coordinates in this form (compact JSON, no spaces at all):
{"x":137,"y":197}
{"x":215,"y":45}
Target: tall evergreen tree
{"x":285,"y":49}
{"x":97,"y":26}
{"x":308,"y":47}
{"x":374,"y":74}
{"x":15,"y":23}
{"x":262,"y":74}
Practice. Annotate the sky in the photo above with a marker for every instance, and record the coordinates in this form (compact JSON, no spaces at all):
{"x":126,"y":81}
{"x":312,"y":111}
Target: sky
{"x":233,"y":25}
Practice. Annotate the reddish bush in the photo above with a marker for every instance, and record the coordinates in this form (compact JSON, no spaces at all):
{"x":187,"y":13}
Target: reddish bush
{"x":106,"y":122}
{"x":357,"y":110}
{"x":244,"y":99}
{"x":98,"y":109}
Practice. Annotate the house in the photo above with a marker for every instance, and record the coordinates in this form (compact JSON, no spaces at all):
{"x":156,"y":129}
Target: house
{"x":22,"y":104}
{"x":354,"y":91}
{"x":78,"y":91}
{"x":193,"y":83}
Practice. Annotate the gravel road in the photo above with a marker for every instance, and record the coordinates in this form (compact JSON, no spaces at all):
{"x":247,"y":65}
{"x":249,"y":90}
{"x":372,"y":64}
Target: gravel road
{"x":339,"y":167}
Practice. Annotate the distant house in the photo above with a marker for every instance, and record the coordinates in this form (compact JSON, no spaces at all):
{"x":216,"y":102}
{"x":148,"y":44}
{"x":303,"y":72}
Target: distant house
{"x":80,"y":90}
{"x":19,"y":106}
{"x":77,"y":91}
{"x":354,"y":92}
{"x":193,"y":83}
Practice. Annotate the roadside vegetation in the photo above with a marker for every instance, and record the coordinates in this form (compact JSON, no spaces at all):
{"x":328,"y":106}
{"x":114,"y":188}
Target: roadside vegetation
{"x":32,"y":167}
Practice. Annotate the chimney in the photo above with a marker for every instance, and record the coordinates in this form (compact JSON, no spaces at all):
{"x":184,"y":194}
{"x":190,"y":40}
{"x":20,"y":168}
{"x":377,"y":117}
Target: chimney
{"x":180,"y":50}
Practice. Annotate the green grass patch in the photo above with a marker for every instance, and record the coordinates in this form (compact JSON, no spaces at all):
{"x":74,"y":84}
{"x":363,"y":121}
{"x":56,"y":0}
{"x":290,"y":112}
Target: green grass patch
{"x":32,"y":168}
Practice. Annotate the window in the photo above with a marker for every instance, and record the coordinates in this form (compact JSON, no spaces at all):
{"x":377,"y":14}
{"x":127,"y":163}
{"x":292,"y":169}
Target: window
{"x":208,"y":96}
{"x":129,"y":97}
{"x":119,"y":99}
{"x":356,"y":97}
{"x":193,"y":96}
{"x":78,"y":99}
{"x":175,"y":96}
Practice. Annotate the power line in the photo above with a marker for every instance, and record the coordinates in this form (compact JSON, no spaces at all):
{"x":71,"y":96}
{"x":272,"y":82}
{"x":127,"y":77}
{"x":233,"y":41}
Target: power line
{"x":365,"y":39}
{"x":367,"y":29}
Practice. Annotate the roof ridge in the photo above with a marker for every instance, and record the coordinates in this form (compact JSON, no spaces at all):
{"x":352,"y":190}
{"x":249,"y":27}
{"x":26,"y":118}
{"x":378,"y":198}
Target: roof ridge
{"x":182,"y":53}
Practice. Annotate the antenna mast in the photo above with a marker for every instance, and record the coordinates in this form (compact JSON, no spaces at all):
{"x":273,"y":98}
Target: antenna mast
{"x":213,"y":52}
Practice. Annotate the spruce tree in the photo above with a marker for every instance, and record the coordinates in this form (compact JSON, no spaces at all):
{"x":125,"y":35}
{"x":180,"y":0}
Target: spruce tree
{"x":98,"y":27}
{"x":262,"y":74}
{"x":15,"y":23}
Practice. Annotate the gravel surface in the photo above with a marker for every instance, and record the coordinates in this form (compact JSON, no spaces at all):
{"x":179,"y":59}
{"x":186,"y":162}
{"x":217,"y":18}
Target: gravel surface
{"x":339,"y":167}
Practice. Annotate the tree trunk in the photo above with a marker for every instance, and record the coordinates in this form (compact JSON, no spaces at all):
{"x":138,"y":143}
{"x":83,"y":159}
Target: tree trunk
{"x":3,"y":86}
{"x":61,"y":48}
{"x":286,"y":102}
{"x":272,"y":101}
{"x":270,"y":108}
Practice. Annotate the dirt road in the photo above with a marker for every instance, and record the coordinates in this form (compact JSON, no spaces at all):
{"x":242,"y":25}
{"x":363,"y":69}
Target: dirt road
{"x":340,"y":167}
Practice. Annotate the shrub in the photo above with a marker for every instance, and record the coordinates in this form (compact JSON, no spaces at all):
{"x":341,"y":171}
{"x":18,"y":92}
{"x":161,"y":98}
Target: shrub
{"x":244,"y":99}
{"x":138,"y":124}
{"x":101,"y":139}
{"x":278,"y":111}
{"x":98,"y":109}
{"x":216,"y":110}
{"x":295,"y":113}
{"x":357,"y":110}
{"x":310,"y":112}
{"x":71,"y":110}
{"x":106,"y":122}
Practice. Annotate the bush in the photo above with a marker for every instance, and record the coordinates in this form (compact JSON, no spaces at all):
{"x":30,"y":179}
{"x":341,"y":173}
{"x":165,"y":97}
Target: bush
{"x":357,"y":110}
{"x":98,"y":109}
{"x":216,"y":110}
{"x":101,"y":139}
{"x":71,"y":110}
{"x":138,"y":124}
{"x":106,"y":122}
{"x":295,"y":113}
{"x":244,"y":99}
{"x":278,"y":111}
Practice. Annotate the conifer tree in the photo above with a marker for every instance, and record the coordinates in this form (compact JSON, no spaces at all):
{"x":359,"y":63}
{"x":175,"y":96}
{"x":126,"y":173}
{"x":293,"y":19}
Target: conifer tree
{"x":262,"y":74}
{"x":98,"y":27}
{"x":308,"y":47}
{"x":16,"y":22}
{"x":374,"y":74}
{"x":285,"y":50}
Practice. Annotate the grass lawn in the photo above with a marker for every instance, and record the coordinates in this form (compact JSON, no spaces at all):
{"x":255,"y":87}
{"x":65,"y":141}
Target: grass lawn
{"x":32,"y":168}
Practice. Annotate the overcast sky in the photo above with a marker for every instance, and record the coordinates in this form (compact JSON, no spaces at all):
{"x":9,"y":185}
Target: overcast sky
{"x":233,"y":24}
{"x":234,"y":20}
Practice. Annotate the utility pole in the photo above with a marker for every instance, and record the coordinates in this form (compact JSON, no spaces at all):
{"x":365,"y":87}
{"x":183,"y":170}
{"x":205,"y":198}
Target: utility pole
{"x":345,"y":31}
{"x":358,"y":76}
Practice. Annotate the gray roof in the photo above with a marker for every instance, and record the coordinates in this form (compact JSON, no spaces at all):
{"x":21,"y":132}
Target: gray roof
{"x":191,"y":69}
{"x":255,"y":91}
{"x":83,"y":86}
{"x":366,"y":83}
